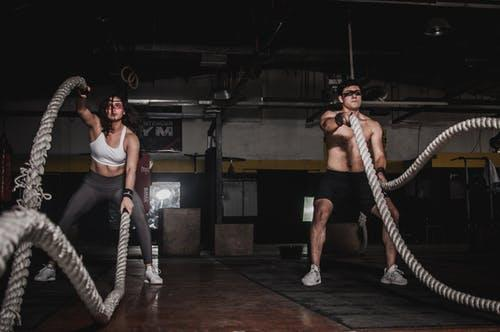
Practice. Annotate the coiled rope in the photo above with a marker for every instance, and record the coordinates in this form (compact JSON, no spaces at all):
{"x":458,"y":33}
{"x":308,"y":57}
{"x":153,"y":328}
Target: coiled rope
{"x":24,"y":226}
{"x":129,"y":76}
{"x":420,"y":272}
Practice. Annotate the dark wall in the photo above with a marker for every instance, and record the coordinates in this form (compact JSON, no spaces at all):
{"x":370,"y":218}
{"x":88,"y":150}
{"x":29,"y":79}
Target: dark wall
{"x":280,"y":197}
{"x":432,"y":208}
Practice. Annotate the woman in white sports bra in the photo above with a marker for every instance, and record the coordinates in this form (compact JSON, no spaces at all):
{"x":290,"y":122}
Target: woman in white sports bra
{"x":114,"y":151}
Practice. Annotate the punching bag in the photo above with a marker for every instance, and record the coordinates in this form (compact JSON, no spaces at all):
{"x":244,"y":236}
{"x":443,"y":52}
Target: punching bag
{"x":143,"y":179}
{"x":5,"y":170}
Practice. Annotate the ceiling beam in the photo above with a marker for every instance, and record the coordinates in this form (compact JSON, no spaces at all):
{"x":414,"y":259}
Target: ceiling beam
{"x":449,"y":4}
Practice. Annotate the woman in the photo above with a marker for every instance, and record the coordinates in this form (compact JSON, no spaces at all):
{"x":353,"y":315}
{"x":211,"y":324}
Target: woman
{"x":114,"y":151}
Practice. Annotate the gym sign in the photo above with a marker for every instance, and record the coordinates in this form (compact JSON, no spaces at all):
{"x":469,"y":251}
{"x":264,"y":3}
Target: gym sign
{"x":160,"y":135}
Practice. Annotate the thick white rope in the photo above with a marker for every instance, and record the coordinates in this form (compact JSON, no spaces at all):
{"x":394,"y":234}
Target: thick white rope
{"x":28,"y":225}
{"x":436,"y":144}
{"x":410,"y":260}
{"x":32,"y":195}
{"x":30,"y":182}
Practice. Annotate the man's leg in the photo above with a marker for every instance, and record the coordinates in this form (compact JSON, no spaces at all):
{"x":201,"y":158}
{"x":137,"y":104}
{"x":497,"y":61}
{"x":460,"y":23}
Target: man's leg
{"x":322,"y":210}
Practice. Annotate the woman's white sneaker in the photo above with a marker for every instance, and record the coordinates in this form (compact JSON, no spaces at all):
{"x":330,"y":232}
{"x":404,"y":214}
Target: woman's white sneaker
{"x":47,"y":273}
{"x":152,"y":276}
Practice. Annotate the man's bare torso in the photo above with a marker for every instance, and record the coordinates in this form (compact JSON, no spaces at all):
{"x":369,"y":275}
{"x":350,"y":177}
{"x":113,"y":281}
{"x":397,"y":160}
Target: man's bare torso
{"x":342,"y":149}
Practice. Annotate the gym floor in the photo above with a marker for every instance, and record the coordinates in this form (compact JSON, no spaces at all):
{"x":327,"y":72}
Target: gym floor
{"x":263,"y":293}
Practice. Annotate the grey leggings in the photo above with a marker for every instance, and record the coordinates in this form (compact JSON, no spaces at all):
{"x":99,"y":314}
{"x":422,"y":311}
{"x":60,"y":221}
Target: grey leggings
{"x":97,"y":188}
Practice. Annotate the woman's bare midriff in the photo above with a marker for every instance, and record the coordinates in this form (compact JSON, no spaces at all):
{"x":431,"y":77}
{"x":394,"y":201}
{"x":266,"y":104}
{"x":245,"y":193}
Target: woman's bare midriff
{"x":105,"y":170}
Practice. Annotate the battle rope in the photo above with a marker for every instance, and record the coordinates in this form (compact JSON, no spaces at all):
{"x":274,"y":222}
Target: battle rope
{"x":440,"y":140}
{"x":32,"y":195}
{"x":28,"y":225}
{"x":410,"y":260}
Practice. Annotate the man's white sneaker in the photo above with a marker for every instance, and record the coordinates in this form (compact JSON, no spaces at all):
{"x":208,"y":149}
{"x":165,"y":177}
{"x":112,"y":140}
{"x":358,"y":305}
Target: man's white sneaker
{"x":313,"y":277}
{"x":152,"y":276}
{"x":393,"y":276}
{"x":47,"y":273}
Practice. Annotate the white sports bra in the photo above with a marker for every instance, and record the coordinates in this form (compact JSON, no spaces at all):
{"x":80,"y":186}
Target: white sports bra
{"x":104,"y":154}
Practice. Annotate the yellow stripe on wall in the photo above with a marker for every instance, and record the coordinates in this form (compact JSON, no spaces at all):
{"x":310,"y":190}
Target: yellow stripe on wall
{"x":81,"y":164}
{"x":445,"y":159}
{"x":248,"y":166}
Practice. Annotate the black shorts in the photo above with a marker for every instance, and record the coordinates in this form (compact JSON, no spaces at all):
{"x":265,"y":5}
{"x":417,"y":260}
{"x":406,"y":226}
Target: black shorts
{"x":347,"y":188}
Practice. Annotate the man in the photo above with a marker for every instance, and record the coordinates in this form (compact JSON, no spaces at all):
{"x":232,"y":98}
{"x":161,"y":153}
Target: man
{"x":345,"y":179}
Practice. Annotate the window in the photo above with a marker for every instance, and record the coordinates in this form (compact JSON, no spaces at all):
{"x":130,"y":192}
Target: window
{"x":307,"y":215}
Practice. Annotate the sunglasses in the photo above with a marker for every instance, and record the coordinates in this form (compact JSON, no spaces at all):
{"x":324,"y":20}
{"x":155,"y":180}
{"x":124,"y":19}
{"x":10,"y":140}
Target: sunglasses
{"x":116,"y":104}
{"x":351,"y":93}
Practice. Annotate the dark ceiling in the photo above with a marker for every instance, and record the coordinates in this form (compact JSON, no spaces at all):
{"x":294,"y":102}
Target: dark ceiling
{"x":46,"y":42}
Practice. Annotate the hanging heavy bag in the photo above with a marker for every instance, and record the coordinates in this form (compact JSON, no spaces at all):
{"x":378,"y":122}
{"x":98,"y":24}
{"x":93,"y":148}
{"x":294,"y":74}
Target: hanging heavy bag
{"x":143,"y":179}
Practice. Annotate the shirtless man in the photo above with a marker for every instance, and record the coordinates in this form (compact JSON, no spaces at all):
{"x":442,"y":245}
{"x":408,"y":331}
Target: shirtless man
{"x":345,"y":179}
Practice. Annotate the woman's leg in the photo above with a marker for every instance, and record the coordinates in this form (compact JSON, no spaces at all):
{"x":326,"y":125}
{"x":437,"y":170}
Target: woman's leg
{"x":84,"y":199}
{"x":151,"y":275}
{"x":139,"y":219}
{"x":81,"y":202}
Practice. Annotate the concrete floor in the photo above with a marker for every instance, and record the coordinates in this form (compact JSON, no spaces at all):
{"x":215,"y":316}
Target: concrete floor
{"x":263,"y":293}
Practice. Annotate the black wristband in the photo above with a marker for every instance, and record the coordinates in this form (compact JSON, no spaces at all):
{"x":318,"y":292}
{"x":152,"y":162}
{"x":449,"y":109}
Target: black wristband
{"x":339,"y":119}
{"x":380,"y":170}
{"x":128,"y":193}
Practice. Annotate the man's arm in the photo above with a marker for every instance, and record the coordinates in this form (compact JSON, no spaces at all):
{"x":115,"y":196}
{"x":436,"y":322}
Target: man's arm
{"x":89,"y":118}
{"x":378,"y":151}
{"x":331,"y":121}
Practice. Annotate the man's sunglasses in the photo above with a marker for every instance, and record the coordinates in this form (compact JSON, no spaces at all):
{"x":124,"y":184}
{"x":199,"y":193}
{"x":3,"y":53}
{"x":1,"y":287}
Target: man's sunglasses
{"x":351,"y":93}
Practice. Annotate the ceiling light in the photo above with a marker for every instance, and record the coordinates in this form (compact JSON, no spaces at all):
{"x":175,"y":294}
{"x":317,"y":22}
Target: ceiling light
{"x":437,"y":27}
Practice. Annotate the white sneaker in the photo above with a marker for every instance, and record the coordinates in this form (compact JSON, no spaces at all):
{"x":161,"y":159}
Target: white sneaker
{"x":152,"y":276}
{"x":47,"y":273}
{"x":313,"y":277}
{"x":393,"y":276}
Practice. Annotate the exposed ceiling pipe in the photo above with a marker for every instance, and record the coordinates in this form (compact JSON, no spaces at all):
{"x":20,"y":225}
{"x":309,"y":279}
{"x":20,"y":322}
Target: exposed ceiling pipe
{"x":273,"y":36}
{"x":194,"y":49}
{"x":351,"y":61}
{"x":450,"y":4}
{"x":21,"y":110}
{"x":261,"y":102}
{"x":167,"y":48}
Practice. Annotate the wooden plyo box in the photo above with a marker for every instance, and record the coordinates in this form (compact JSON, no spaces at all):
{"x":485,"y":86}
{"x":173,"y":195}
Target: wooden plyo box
{"x":179,"y":232}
